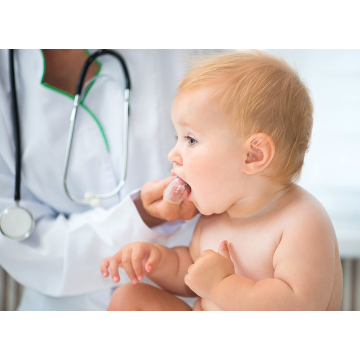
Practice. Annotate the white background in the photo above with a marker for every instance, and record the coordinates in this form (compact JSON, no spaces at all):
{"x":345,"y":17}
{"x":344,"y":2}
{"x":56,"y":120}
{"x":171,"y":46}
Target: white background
{"x":199,"y":24}
{"x":332,"y":165}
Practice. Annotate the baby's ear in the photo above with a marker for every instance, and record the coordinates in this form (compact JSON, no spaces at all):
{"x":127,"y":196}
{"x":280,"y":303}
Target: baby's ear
{"x":259,"y":151}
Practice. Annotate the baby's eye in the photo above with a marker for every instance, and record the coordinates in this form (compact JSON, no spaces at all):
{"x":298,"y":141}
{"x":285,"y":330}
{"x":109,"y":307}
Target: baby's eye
{"x":191,"y":140}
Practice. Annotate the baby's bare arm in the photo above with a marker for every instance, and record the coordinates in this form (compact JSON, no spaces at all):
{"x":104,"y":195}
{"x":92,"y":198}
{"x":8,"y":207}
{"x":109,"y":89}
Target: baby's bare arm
{"x":304,"y":269}
{"x":171,"y":271}
{"x":174,"y":266}
{"x":166,"y":267}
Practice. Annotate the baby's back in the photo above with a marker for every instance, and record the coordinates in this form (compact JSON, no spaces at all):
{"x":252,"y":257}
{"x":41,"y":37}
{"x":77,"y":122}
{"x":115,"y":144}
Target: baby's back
{"x":256,"y":251}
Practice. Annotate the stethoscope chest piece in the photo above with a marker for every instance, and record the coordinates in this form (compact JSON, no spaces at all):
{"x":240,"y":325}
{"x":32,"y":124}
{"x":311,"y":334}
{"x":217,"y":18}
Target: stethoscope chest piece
{"x":16,"y":223}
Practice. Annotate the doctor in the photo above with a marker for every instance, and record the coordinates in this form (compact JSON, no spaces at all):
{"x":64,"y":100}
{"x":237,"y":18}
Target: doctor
{"x":59,"y":263}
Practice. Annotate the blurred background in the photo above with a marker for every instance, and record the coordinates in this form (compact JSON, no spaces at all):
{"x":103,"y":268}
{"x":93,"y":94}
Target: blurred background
{"x":331,"y":171}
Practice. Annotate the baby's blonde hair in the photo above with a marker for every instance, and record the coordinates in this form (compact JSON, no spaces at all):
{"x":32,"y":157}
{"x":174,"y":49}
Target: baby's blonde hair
{"x":260,"y":93}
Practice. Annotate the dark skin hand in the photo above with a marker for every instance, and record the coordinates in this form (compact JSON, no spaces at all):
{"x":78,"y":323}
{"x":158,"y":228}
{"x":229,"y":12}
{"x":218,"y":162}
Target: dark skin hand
{"x":154,"y":210}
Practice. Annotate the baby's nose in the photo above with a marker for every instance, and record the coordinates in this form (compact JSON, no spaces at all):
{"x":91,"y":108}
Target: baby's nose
{"x":174,"y":156}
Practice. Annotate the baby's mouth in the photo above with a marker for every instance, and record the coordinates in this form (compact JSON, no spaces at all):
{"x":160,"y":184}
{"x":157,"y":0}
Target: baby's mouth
{"x":186,"y":186}
{"x":176,"y":192}
{"x":180,"y":187}
{"x":181,"y":181}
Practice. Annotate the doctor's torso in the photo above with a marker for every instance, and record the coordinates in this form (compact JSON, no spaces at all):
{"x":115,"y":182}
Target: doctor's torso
{"x":61,"y":257}
{"x":96,"y":157}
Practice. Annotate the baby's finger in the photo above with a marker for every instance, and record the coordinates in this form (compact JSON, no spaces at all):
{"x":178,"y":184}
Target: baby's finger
{"x":114,"y":269}
{"x":104,"y":267}
{"x":186,"y":280}
{"x":128,"y":267}
{"x":137,"y":258}
{"x":190,"y":268}
{"x":154,"y":259}
{"x":224,"y":249}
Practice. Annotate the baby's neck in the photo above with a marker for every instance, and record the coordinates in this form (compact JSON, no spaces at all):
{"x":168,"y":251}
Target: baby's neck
{"x":259,"y":201}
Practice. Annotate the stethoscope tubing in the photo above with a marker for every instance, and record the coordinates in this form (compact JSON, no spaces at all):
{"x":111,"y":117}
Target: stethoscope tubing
{"x":7,"y":215}
{"x":93,"y":57}
{"x":11,"y":216}
{"x":16,"y":122}
{"x":94,"y":200}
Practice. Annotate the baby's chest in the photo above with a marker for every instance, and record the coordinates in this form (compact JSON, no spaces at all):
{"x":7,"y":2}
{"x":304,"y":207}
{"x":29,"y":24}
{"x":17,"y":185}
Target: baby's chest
{"x":251,"y":251}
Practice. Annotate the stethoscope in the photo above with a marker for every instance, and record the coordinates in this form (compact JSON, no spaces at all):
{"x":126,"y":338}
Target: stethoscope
{"x":16,"y":222}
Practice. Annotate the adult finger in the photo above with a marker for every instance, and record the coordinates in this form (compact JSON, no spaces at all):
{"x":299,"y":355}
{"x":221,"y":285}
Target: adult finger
{"x":153,"y":190}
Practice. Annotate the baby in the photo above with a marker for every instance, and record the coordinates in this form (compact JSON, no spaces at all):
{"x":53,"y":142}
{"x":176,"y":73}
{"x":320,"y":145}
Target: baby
{"x":244,"y":123}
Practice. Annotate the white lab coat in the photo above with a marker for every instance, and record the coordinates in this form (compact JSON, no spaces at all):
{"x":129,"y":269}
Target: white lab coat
{"x":59,"y":263}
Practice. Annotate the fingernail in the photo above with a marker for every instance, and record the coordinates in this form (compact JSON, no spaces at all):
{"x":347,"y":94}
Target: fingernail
{"x":115,"y":278}
{"x":105,"y":274}
{"x":149,"y":268}
{"x":139,"y":277}
{"x":134,"y":281}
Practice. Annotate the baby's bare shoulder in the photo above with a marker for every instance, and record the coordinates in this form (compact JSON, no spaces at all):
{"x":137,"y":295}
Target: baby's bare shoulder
{"x":306,"y":258}
{"x":304,"y":214}
{"x":300,"y":205}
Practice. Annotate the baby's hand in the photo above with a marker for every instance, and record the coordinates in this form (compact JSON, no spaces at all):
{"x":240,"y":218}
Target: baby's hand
{"x":209,"y":270}
{"x":135,"y":259}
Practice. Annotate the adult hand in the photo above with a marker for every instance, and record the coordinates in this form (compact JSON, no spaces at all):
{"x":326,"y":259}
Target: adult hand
{"x":209,"y":270}
{"x":152,"y":201}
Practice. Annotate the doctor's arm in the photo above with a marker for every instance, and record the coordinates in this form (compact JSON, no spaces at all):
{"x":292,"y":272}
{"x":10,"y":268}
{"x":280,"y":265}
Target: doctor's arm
{"x":62,"y":256}
{"x":154,"y":210}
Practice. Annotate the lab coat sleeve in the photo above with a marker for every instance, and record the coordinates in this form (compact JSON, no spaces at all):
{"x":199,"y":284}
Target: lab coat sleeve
{"x":62,"y":257}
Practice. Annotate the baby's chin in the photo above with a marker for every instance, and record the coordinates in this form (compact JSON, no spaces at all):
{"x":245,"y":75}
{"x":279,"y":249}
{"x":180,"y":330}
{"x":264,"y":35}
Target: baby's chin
{"x":202,"y":211}
{"x":207,"y":209}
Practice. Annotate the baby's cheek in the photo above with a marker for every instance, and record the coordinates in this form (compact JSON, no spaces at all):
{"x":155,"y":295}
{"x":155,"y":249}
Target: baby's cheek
{"x":205,"y":187}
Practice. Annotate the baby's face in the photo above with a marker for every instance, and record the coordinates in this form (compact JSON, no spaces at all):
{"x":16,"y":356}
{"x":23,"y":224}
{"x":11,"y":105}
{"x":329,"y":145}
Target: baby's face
{"x":207,"y":155}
